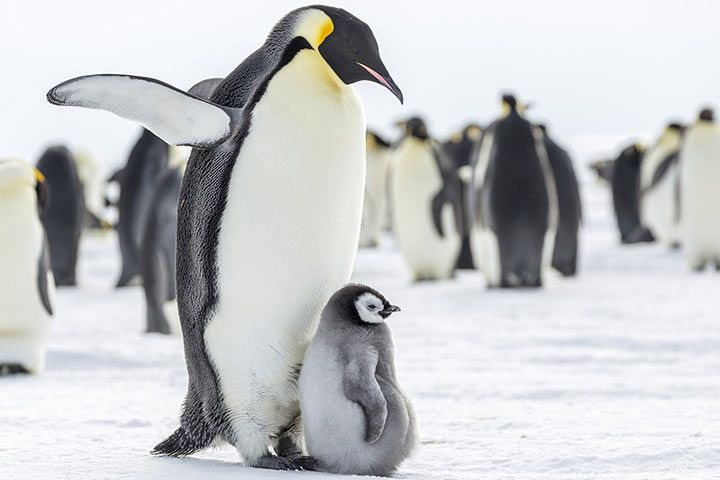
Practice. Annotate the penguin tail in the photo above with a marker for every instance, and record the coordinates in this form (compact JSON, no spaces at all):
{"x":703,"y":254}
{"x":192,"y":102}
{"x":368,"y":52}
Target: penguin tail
{"x":181,"y":443}
{"x":193,"y":435}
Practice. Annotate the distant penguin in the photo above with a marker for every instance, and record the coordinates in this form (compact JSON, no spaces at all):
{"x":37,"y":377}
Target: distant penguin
{"x":377,"y":164}
{"x":268,"y":219}
{"x":427,"y":205}
{"x":565,"y":252}
{"x":514,"y":202}
{"x":356,"y":419}
{"x":93,"y":187}
{"x":659,"y":187}
{"x":64,"y":215}
{"x":700,"y":192}
{"x":147,"y":160}
{"x":603,"y":169}
{"x":460,"y":149}
{"x":626,"y":194}
{"x":26,"y":283}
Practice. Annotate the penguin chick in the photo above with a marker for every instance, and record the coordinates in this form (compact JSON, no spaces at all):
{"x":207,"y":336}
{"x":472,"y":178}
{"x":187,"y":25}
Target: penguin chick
{"x":355,"y":417}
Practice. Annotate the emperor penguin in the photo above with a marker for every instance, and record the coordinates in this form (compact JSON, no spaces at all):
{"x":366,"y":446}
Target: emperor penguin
{"x":93,"y":187}
{"x":268,"y":226}
{"x":660,"y":186}
{"x":565,"y":251}
{"x":700,"y":192}
{"x":626,"y":195}
{"x":64,"y":215}
{"x":147,"y":161}
{"x":376,"y":178}
{"x":427,"y":205}
{"x":461,"y":148}
{"x":26,"y":283}
{"x":514,"y":202}
{"x":357,"y":420}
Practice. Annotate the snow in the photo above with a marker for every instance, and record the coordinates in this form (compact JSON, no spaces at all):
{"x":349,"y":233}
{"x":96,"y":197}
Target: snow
{"x":615,"y":374}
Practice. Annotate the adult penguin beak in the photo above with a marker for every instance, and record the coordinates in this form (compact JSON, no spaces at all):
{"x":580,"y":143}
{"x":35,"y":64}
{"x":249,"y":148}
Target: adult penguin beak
{"x":386,"y":312}
{"x":384,"y":80}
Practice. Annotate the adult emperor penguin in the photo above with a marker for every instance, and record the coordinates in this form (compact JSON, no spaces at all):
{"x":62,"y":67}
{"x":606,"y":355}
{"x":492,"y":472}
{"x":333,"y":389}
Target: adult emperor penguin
{"x":26,"y":284}
{"x":514,"y":202}
{"x":64,"y":215}
{"x":565,"y":252}
{"x":659,"y":186}
{"x":626,"y":195}
{"x":700,"y":192}
{"x":376,"y":178}
{"x":147,"y":161}
{"x":268,"y":227}
{"x":460,"y":148}
{"x":427,"y":204}
{"x":356,"y":418}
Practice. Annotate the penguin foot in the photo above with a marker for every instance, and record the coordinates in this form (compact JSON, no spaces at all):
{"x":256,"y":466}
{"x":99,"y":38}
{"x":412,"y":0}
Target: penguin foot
{"x":12,"y":369}
{"x":272,"y":462}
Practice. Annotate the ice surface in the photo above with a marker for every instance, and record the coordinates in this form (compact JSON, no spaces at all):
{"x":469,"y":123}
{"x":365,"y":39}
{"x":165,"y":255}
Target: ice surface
{"x":615,"y":374}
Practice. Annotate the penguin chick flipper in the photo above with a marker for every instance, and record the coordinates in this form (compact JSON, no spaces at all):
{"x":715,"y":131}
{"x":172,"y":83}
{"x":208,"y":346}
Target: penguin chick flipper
{"x":176,"y":117}
{"x":437,"y":204}
{"x":361,"y":386}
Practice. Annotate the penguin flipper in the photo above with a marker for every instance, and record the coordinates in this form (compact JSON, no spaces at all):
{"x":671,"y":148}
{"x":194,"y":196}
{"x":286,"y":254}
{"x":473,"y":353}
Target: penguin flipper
{"x":43,"y":277}
{"x":437,"y":204}
{"x":176,"y":117}
{"x":361,"y":386}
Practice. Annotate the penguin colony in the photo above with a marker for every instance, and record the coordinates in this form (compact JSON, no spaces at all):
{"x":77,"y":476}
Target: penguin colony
{"x":309,"y":382}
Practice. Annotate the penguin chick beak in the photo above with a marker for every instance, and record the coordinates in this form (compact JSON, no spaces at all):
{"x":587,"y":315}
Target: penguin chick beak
{"x":386,"y":312}
{"x":388,"y":82}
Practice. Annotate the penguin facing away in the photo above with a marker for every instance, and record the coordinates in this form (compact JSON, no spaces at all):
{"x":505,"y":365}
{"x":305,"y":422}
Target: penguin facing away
{"x":356,"y":418}
{"x":659,"y":186}
{"x":26,"y":283}
{"x":565,"y":251}
{"x":700,"y":192}
{"x":64,"y":215}
{"x":461,"y":148}
{"x":514,"y":202}
{"x":626,"y":192}
{"x":376,"y":178}
{"x":146,"y":162}
{"x":267,"y":229}
{"x":427,"y":205}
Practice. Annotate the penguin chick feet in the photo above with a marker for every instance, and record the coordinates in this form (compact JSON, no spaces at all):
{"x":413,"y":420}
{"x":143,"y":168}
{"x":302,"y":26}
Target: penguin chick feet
{"x":296,"y":462}
{"x":12,"y":369}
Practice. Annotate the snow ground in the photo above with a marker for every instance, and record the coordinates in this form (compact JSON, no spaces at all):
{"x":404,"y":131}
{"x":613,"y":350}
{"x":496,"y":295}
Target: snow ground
{"x":615,"y":374}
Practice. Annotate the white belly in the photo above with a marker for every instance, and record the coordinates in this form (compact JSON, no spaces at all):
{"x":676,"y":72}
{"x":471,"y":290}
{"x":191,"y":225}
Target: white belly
{"x":659,"y":208}
{"x":288,"y":240}
{"x":415,"y":182}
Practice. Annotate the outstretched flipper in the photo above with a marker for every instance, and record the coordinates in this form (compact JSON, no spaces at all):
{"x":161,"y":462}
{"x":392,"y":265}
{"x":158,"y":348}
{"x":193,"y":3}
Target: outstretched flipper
{"x":361,"y":387}
{"x":177,"y":117}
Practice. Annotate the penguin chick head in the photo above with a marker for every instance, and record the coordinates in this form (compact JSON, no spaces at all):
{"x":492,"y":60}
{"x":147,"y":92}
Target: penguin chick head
{"x":346,"y":43}
{"x":361,"y":304}
{"x":707,"y":115}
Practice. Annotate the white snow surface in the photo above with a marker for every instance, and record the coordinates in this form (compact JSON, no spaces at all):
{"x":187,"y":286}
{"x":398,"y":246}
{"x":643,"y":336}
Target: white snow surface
{"x":615,"y":374}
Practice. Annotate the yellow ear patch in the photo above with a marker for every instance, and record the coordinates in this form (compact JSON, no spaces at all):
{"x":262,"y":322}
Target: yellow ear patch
{"x":38,"y":175}
{"x":326,"y":28}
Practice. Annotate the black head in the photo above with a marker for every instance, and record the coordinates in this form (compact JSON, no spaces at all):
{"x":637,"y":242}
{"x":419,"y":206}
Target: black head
{"x":707,"y":115}
{"x":362,"y":305}
{"x":376,"y":140}
{"x":676,"y":126}
{"x":414,"y":127}
{"x":510,"y":100}
{"x":349,"y":47}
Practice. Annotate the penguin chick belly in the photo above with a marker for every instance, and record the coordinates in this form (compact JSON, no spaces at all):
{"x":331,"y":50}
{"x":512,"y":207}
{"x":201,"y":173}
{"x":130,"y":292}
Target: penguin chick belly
{"x":416,"y":182}
{"x":287,"y":241}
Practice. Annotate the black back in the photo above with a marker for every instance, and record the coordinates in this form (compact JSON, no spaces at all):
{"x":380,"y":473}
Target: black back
{"x":625,"y":191}
{"x":147,"y":160}
{"x":64,"y":213}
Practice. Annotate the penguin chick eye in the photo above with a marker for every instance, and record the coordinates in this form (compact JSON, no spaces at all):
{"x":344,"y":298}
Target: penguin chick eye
{"x":371,"y":308}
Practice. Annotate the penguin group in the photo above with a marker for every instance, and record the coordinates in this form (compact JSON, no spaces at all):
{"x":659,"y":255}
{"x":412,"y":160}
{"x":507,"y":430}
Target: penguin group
{"x":667,"y":193}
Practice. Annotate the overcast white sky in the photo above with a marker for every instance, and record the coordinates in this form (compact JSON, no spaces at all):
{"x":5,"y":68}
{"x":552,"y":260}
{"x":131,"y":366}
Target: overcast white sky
{"x":591,"y":68}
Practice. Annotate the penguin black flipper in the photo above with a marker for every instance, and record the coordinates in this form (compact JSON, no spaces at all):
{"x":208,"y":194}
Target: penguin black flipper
{"x":175,"y":116}
{"x":42,"y":276}
{"x":662,"y":169}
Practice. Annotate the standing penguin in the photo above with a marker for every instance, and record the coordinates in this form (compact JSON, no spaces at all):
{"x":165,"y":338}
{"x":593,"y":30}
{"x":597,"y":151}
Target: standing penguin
{"x":65,"y":214}
{"x":26,"y":284}
{"x":514,"y":202}
{"x":461,"y":149}
{"x":565,"y":252}
{"x":93,"y":187}
{"x":626,"y":191}
{"x":376,"y":178}
{"x":659,"y":186}
{"x":147,"y":160}
{"x":268,"y":227}
{"x":356,"y":418}
{"x":700,"y":192}
{"x":427,"y":205}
